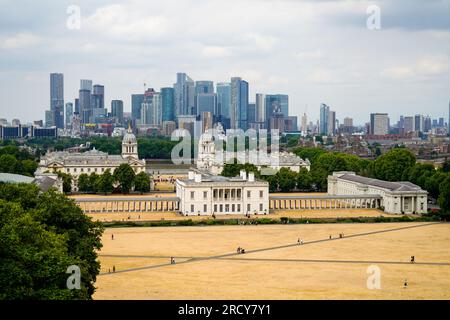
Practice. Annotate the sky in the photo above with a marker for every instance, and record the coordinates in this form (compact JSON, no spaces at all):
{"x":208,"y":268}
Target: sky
{"x":318,"y":51}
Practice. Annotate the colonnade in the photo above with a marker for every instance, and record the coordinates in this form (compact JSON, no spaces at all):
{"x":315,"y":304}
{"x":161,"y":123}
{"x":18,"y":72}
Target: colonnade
{"x":331,"y":202}
{"x":105,"y":206}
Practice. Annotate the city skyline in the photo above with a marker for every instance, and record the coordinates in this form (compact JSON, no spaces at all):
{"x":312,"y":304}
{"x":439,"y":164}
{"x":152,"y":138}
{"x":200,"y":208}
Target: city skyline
{"x":304,"y":52}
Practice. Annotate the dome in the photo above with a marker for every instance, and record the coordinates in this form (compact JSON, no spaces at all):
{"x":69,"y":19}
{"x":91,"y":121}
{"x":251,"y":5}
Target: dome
{"x":129,"y":137}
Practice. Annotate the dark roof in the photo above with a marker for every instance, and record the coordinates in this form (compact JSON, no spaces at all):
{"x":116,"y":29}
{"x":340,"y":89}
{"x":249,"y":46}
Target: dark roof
{"x":392,"y":186}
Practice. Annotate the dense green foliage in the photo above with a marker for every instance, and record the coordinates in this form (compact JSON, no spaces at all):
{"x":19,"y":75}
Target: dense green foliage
{"x":124,"y":175}
{"x":142,"y":182}
{"x":41,"y":235}
{"x":17,"y":160}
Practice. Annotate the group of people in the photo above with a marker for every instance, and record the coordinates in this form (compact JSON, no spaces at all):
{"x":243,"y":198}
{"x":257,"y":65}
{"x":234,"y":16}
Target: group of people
{"x":240,"y":250}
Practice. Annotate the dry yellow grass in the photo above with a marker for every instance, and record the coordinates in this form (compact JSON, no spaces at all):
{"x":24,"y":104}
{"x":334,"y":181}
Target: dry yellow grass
{"x":341,"y":272}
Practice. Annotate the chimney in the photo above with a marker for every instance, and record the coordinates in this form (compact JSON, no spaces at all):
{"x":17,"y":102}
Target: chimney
{"x":198,"y":177}
{"x":251,"y":177}
{"x":243,"y":174}
{"x":191,"y":175}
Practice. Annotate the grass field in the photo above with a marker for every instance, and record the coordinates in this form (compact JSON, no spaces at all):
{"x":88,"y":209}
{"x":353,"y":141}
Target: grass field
{"x":274,"y":265}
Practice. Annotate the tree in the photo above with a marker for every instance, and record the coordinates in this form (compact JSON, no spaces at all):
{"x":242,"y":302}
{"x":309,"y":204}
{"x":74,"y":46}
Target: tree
{"x":444,"y":195}
{"x":67,"y":181}
{"x":393,"y":164}
{"x":93,"y":179}
{"x":124,"y":175}
{"x":83,"y":182}
{"x":105,"y":182}
{"x":142,"y":182}
{"x":304,"y":180}
{"x":41,"y":235}
{"x":8,"y":163}
{"x":286,"y":179}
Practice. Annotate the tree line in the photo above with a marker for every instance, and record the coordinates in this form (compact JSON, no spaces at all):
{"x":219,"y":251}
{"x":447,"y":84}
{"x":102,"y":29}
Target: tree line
{"x":17,"y":160}
{"x":123,"y":180}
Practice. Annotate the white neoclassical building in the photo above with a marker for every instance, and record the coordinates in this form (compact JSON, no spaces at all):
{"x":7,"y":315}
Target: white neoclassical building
{"x":205,"y":194}
{"x":397,"y":197}
{"x":93,"y":161}
{"x":212,"y":161}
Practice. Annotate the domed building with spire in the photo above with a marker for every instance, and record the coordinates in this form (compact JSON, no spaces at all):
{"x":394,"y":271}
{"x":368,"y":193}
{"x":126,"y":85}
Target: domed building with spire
{"x":92,"y":161}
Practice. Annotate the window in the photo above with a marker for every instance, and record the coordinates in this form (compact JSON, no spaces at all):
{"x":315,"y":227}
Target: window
{"x":192,"y":195}
{"x":238,"y":208}
{"x":192,"y":208}
{"x":227,"y":208}
{"x":215,"y":208}
{"x":249,"y":208}
{"x":221,"y":208}
{"x":260,"y":207}
{"x":82,"y":170}
{"x":74,"y":169}
{"x":249,"y":194}
{"x":261,"y":194}
{"x":233,"y":207}
{"x":205,"y":208}
{"x":205,"y":194}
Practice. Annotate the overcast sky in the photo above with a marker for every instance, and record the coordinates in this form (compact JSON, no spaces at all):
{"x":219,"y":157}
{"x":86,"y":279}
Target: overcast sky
{"x":314,"y":51}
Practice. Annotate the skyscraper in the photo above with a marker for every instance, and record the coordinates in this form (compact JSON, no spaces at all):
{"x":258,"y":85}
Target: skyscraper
{"x":324,"y":114}
{"x":205,"y":86}
{"x":136,"y":105}
{"x":184,"y":90}
{"x":304,"y":127}
{"x":69,"y":114}
{"x":167,"y":104}
{"x":85,"y":105}
{"x":276,"y":105}
{"x":57,"y":99}
{"x":331,"y":122}
{"x":239,"y":103}
{"x":251,"y":113}
{"x":379,"y":124}
{"x":117,"y":110}
{"x":419,"y":123}
{"x":224,"y":103}
{"x":206,"y":102}
{"x":98,"y":96}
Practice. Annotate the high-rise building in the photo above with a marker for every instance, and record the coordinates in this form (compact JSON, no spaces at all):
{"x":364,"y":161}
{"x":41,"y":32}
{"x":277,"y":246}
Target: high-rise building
{"x":151,"y":111}
{"x":239,"y":103}
{"x":331,"y":122}
{"x":260,"y":110}
{"x":277,"y":104}
{"x":324,"y":114}
{"x":448,"y":123}
{"x":304,"y":127}
{"x":206,"y":102}
{"x":204,"y":87}
{"x":418,"y":123}
{"x":184,"y":90}
{"x":117,"y":110}
{"x":167,"y":104}
{"x":251,"y":113}
{"x":136,"y":105}
{"x":98,"y":96}
{"x":408,"y":124}
{"x":379,"y":124}
{"x":85,"y":105}
{"x":77,"y":106}
{"x":57,"y":98}
{"x":224,"y":103}
{"x":49,"y":119}
{"x":69,"y":114}
{"x":86,"y":85}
